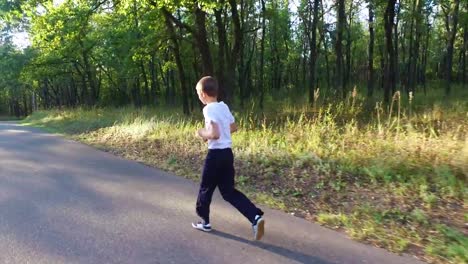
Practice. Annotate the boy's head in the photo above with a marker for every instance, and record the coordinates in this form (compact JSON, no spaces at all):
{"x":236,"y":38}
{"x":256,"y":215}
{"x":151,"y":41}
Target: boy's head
{"x":207,"y":89}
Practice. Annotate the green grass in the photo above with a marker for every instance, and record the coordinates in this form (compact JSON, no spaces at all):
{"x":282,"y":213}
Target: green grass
{"x":397,"y":231}
{"x":395,"y":179}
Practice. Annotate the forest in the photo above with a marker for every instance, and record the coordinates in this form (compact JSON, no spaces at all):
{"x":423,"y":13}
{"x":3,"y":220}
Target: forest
{"x":149,"y":52}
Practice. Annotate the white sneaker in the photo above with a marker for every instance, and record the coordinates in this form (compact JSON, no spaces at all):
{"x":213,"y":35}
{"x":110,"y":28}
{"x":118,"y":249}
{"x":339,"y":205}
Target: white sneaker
{"x":201,"y":226}
{"x":258,"y":227}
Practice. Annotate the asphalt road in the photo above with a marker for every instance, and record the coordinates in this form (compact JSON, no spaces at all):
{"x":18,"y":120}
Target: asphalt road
{"x":65,"y":202}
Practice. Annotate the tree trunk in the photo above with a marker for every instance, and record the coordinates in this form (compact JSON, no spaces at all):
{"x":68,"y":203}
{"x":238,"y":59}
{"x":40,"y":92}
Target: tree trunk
{"x":45,"y":93}
{"x":382,"y":65}
{"x":325,"y":45}
{"x":25,"y":103}
{"x":313,"y":52}
{"x":304,"y":66}
{"x":172,"y":94}
{"x":395,"y":45}
{"x":135,"y":90}
{"x":84,"y":88}
{"x":416,"y":47}
{"x":242,"y":77}
{"x":339,"y":47}
{"x":233,"y":57}
{"x":165,"y":79}
{"x":425,"y":50}
{"x":262,"y":52}
{"x":146,"y":91}
{"x":90,"y":79}
{"x":464,"y":50}
{"x":220,"y":71}
{"x":201,"y":37}
{"x":413,"y":57}
{"x":34,"y":103}
{"x":370,"y":65}
{"x":180,"y":68}
{"x":154,"y":80}
{"x":452,"y":35}
{"x":389,"y":82}
{"x":409,"y":64}
{"x":73,"y":93}
{"x":348,"y":47}
{"x":245,"y":70}
{"x":275,"y":61}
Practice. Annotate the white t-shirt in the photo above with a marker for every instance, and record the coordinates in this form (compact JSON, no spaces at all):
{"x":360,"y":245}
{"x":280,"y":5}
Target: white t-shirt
{"x":219,"y":113}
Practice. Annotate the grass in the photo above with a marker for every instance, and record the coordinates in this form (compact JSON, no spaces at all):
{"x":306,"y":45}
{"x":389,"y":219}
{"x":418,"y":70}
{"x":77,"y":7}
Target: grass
{"x":396,"y":179}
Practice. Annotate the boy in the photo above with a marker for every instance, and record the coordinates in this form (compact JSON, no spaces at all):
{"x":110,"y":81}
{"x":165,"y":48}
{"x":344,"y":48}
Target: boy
{"x":218,"y":170}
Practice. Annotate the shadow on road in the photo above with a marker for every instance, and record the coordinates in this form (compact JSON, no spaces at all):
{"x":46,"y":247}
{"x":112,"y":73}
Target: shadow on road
{"x":287,"y":253}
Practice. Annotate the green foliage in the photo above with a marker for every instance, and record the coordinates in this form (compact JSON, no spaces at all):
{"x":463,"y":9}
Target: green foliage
{"x":335,"y":220}
{"x":12,"y":89}
{"x":449,"y":243}
{"x":103,"y":53}
{"x":419,"y":216}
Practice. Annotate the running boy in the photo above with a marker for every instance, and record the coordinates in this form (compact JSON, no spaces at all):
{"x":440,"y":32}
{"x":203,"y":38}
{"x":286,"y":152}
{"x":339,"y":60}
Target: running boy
{"x":218,"y":170}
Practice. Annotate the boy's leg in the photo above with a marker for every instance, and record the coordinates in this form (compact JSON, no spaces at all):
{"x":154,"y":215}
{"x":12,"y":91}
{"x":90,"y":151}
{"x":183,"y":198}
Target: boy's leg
{"x":232,"y":195}
{"x":207,"y":187}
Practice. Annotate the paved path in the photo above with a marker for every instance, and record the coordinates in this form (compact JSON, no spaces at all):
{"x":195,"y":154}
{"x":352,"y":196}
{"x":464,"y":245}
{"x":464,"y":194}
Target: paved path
{"x":65,"y":202}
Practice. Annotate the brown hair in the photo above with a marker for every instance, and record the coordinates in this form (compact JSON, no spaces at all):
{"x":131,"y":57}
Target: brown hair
{"x":208,"y":85}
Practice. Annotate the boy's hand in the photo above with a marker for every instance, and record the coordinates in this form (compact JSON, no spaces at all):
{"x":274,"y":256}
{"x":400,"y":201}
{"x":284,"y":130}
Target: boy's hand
{"x":200,"y":133}
{"x":211,"y":132}
{"x":233,"y":127}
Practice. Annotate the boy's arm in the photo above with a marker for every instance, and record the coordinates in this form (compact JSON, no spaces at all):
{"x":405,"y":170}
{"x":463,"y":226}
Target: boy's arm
{"x":233,"y":127}
{"x":211,"y":132}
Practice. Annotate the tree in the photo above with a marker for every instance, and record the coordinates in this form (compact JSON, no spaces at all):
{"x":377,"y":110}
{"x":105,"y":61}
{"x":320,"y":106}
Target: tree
{"x":180,"y":67}
{"x":313,"y":50}
{"x":105,"y":52}
{"x":451,"y":23}
{"x":339,"y":76}
{"x":262,"y":55}
{"x":370,"y":65}
{"x":389,"y":75}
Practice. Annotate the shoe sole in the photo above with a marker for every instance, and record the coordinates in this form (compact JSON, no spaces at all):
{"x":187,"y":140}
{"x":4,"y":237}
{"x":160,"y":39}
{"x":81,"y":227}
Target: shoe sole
{"x":260,"y":229}
{"x":200,"y":228}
